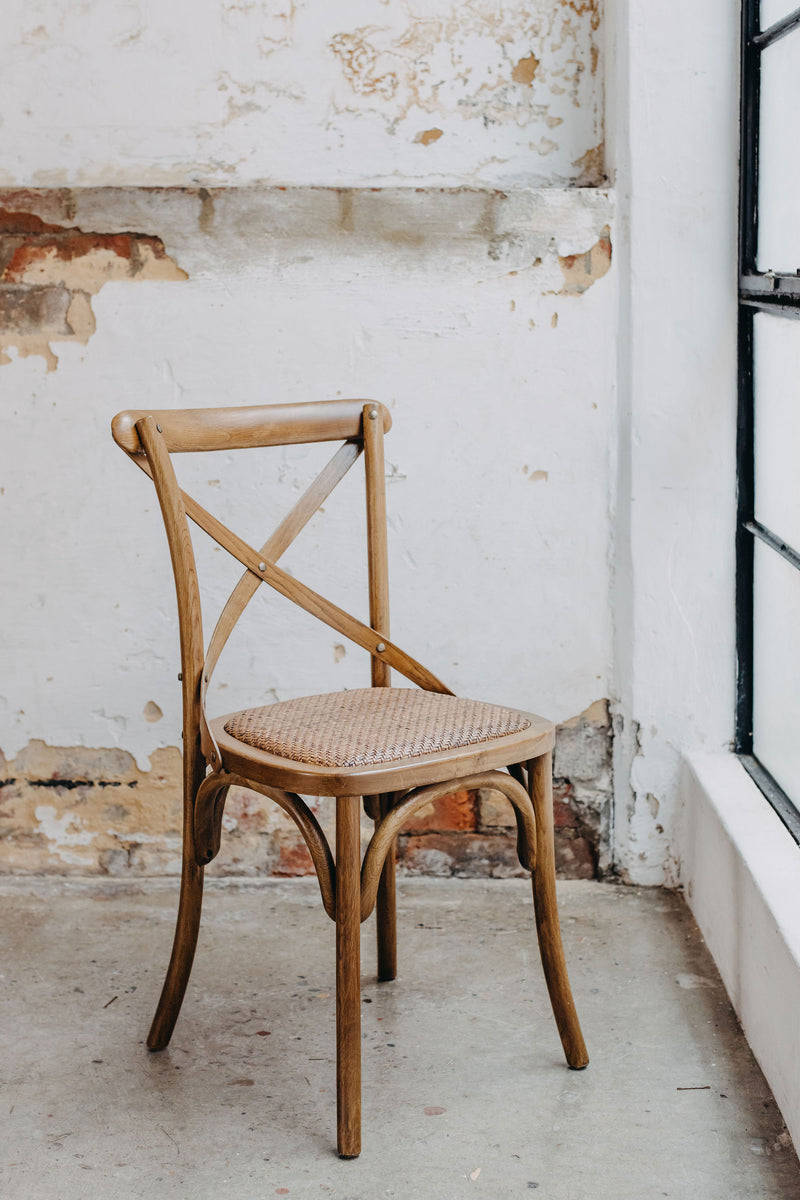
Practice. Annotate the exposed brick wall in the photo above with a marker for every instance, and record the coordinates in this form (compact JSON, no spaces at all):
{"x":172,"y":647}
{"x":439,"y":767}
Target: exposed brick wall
{"x":50,"y":269}
{"x":77,"y":811}
{"x":474,"y":833}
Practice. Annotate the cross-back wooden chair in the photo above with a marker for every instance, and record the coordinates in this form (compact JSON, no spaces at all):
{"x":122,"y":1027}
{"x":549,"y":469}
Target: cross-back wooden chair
{"x":397,"y":748}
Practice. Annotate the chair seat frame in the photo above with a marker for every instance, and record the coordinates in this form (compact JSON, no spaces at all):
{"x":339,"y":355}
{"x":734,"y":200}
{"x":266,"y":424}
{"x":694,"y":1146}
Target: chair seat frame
{"x":518,"y":765}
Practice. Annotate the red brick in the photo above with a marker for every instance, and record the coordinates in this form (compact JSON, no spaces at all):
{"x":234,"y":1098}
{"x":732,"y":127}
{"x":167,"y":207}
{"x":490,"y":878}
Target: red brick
{"x":575,"y":858}
{"x":52,"y":207}
{"x":30,"y":309}
{"x":25,"y":222}
{"x":455,"y":812}
{"x":294,"y":859}
{"x":495,"y":811}
{"x":73,"y":243}
{"x":247,"y":809}
{"x":460,"y":854}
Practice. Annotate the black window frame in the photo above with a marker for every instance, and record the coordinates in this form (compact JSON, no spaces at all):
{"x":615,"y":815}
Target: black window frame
{"x":779,"y":295}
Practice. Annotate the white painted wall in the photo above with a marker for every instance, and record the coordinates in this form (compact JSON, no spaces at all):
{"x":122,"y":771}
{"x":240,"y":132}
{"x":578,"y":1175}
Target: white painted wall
{"x":500,"y":574}
{"x":675,"y":117}
{"x":298,"y":92}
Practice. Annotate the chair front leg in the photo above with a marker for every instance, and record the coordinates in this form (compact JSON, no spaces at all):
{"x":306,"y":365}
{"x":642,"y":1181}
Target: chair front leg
{"x":183,"y":947}
{"x":190,"y":905}
{"x":348,"y":976}
{"x":540,"y":777}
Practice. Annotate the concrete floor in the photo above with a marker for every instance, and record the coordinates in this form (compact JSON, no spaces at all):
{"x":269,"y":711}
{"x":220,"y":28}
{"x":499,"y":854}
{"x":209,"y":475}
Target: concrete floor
{"x":465,"y":1089}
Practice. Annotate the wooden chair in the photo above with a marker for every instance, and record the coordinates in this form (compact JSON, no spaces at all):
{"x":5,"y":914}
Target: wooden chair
{"x":397,"y":748}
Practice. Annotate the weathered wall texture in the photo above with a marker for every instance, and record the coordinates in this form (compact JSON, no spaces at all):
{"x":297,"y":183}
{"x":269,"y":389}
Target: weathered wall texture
{"x":50,"y":267}
{"x":436,"y":302}
{"x":380,"y":198}
{"x":50,"y":270}
{"x":295,"y":92}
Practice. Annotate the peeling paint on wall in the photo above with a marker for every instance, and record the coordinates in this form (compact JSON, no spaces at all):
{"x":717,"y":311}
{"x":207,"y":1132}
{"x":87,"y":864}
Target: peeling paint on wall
{"x":271,"y":20}
{"x":580,"y":271}
{"x":497,"y":64}
{"x":591,"y":167}
{"x":72,"y":810}
{"x":583,"y":785}
{"x":58,"y":247}
{"x":50,"y":271}
{"x":525,"y":70}
{"x":302,"y":93}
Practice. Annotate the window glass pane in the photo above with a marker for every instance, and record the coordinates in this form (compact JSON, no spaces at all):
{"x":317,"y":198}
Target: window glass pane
{"x":778,"y":160}
{"x":776,"y":378}
{"x":776,"y":668}
{"x":775,"y":10}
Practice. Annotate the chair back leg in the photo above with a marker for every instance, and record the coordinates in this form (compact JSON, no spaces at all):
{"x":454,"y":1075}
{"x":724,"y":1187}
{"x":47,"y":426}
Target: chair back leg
{"x":540,"y":780}
{"x":386,"y":911}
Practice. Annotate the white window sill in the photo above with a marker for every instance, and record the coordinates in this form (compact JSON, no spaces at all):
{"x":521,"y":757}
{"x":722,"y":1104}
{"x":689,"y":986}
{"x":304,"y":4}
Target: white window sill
{"x":740,"y":868}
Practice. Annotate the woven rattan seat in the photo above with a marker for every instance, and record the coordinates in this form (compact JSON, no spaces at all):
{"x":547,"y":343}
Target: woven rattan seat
{"x":396,"y":750}
{"x":370,"y":725}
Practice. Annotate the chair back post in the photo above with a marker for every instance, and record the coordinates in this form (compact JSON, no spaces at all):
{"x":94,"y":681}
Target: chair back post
{"x":189,"y":612}
{"x":377,"y":551}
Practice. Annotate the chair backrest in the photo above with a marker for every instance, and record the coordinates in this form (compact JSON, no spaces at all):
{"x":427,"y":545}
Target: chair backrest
{"x":150,"y":437}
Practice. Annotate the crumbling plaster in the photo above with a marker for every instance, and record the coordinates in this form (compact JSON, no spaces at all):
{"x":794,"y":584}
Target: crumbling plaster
{"x":49,"y":270}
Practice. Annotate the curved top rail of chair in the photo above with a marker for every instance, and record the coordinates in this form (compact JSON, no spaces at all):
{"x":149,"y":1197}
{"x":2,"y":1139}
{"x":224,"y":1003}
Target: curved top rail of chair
{"x":246,"y":427}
